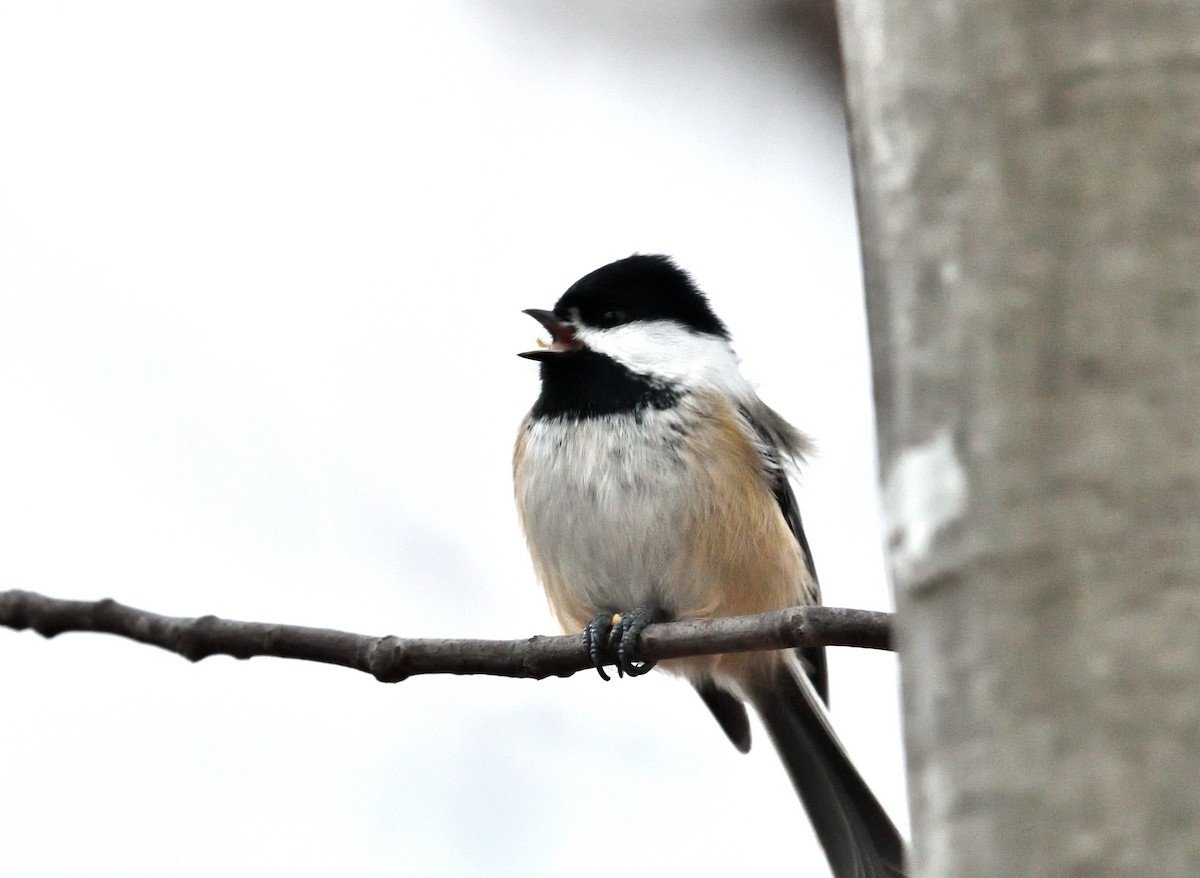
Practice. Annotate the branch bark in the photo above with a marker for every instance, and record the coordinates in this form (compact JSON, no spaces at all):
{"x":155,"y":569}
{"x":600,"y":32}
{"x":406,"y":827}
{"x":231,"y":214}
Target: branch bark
{"x":391,"y":659}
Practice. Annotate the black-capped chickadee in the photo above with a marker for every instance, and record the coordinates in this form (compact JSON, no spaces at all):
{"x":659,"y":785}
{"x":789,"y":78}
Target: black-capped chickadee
{"x":652,"y":484}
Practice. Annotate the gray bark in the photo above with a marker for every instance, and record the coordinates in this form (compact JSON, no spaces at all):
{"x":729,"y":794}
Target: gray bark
{"x":1029,"y":189}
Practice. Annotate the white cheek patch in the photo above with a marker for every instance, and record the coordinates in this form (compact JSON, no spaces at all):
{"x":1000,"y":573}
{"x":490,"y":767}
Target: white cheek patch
{"x":664,"y":350}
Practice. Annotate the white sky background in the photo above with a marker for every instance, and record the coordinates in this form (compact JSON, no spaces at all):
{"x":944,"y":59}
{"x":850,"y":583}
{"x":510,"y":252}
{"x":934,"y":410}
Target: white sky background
{"x":261,"y":269}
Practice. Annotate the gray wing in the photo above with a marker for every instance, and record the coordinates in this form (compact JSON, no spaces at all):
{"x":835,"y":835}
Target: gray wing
{"x":779,"y":444}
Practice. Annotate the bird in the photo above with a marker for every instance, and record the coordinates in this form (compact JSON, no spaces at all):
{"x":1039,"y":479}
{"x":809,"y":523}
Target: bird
{"x":653,"y":484}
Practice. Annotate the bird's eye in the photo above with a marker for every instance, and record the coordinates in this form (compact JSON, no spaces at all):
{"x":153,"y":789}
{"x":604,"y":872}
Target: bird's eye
{"x":613,"y":318}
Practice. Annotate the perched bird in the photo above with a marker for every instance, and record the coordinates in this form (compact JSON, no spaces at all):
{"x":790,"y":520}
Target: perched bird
{"x":652,"y":484}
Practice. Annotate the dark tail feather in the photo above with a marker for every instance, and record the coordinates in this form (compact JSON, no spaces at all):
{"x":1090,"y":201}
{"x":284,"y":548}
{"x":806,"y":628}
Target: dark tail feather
{"x":857,"y":834}
{"x":729,"y":711}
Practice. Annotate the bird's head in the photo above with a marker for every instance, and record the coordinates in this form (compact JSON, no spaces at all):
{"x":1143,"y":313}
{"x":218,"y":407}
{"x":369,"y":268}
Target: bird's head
{"x":643,"y":315}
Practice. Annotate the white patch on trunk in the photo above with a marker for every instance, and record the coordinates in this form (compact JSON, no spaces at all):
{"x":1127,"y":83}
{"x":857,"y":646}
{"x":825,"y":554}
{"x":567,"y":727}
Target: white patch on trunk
{"x":925,"y":491}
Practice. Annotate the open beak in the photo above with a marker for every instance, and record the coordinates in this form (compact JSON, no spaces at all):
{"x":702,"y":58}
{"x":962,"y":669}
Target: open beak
{"x":562,"y":336}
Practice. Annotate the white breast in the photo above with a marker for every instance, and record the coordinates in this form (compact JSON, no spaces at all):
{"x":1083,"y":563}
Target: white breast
{"x":604,"y":507}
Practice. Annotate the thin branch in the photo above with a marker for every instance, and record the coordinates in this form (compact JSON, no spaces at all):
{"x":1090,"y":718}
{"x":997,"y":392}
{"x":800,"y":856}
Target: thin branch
{"x":391,"y":659}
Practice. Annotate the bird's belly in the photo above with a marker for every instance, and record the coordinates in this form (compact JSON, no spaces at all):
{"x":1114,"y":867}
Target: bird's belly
{"x":606,"y":512}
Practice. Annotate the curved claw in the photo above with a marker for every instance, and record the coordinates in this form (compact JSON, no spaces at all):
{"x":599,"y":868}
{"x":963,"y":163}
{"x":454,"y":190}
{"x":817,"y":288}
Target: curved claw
{"x":615,"y":636}
{"x":626,"y":629}
{"x":597,"y":636}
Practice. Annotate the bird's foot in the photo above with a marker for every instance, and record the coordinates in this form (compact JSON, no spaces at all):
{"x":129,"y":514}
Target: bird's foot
{"x":610,"y":632}
{"x":595,"y":639}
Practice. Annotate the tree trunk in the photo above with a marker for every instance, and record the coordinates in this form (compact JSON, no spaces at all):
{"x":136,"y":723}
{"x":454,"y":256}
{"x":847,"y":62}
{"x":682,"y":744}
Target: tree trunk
{"x":1029,"y":190}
